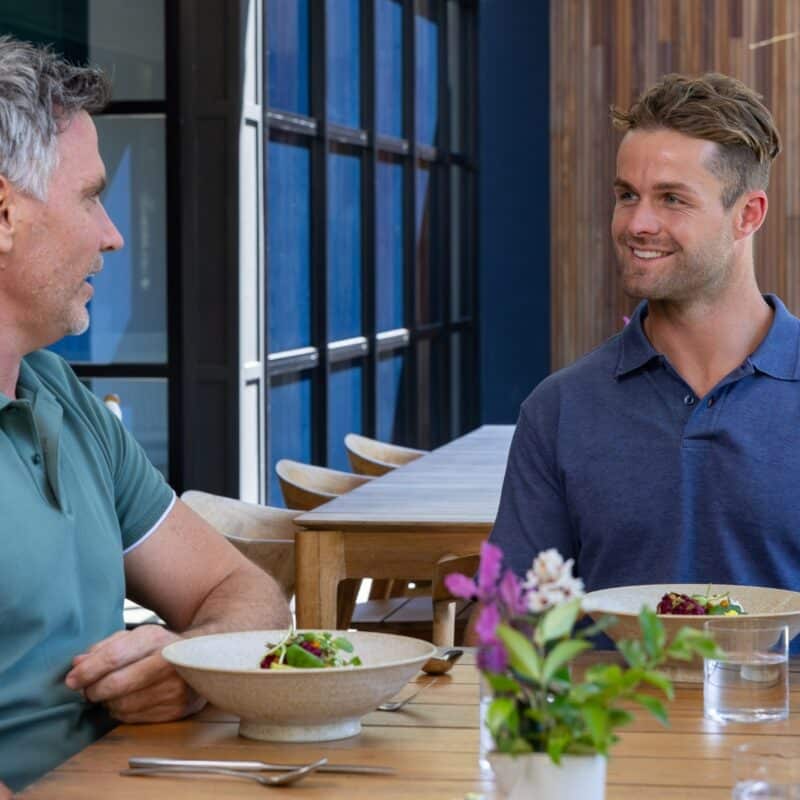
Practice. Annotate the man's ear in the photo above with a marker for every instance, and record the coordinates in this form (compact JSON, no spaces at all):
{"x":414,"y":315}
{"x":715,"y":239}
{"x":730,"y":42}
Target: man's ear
{"x":750,"y":214}
{"x":8,"y":214}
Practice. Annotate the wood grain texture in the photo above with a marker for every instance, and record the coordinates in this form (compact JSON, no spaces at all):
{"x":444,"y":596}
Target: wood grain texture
{"x":608,"y":51}
{"x":433,"y":745}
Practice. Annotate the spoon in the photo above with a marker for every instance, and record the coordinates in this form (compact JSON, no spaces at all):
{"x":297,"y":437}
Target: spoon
{"x":438,"y":665}
{"x":292,"y":776}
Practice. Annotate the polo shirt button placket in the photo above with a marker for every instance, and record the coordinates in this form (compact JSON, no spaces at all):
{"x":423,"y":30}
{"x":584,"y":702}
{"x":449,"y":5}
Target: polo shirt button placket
{"x":36,"y":458}
{"x":689,"y":400}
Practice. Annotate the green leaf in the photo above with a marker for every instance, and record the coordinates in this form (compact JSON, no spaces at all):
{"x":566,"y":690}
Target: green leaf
{"x":502,"y":717}
{"x":557,"y":743}
{"x":596,"y":719}
{"x":557,"y":622}
{"x":340,"y":643}
{"x":296,"y":656}
{"x":604,"y":674}
{"x":653,"y":705}
{"x":501,"y":684}
{"x":521,"y":653}
{"x":618,"y":717}
{"x":660,"y":681}
{"x":653,"y":634}
{"x":560,"y":655}
{"x":601,"y":624}
{"x":633,"y":652}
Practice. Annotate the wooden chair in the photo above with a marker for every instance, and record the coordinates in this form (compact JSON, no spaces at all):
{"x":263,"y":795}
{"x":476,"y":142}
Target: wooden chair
{"x":439,"y":617}
{"x":305,"y":487}
{"x":265,"y":535}
{"x":372,"y":457}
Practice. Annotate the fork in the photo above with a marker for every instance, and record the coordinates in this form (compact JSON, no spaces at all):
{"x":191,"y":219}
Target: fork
{"x":265,"y":780}
{"x":396,"y":705}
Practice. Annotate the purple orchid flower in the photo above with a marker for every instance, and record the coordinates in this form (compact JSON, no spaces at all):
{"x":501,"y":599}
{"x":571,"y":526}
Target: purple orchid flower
{"x":492,"y":658}
{"x":460,"y":586}
{"x":486,"y":624}
{"x":511,"y":595}
{"x":489,"y":571}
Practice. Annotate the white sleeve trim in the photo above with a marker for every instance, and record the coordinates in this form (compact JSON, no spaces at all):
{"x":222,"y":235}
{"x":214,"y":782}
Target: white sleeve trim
{"x":154,"y":528}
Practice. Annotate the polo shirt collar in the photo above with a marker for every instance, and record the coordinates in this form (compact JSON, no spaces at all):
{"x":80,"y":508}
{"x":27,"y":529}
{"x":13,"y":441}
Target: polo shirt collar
{"x":635,"y":349}
{"x":778,"y":355}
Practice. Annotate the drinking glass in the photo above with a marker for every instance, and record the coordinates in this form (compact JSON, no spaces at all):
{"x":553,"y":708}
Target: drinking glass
{"x":750,"y":681}
{"x":486,"y":743}
{"x":760,"y":773}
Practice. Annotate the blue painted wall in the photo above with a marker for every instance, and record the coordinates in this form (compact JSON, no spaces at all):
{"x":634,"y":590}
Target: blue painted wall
{"x":513,"y":203}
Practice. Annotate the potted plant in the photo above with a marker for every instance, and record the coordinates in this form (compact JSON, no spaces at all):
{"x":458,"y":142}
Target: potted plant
{"x":551,"y":730}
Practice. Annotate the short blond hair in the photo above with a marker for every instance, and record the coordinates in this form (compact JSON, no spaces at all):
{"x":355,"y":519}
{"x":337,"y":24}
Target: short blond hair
{"x":717,"y":108}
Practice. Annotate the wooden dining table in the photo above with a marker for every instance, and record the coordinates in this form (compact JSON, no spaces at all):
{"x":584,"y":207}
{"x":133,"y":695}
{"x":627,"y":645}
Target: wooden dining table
{"x":397,"y":526}
{"x":433,"y":746}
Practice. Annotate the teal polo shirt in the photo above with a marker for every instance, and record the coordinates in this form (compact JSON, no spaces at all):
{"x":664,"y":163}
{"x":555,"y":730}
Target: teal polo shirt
{"x":77,"y":493}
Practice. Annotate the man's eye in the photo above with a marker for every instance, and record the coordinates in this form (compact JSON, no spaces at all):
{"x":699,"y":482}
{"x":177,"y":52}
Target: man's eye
{"x":623,"y":197}
{"x":672,"y":199}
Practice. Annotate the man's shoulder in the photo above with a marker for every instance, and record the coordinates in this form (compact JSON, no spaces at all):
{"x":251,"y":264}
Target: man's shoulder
{"x":50,"y":368}
{"x":585,"y":374}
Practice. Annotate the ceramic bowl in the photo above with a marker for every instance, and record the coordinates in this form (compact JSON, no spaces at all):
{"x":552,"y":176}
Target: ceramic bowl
{"x":296,"y":705}
{"x":764,"y":606}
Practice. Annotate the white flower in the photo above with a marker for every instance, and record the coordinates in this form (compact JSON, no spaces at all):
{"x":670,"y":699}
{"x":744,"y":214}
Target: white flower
{"x":550,"y":581}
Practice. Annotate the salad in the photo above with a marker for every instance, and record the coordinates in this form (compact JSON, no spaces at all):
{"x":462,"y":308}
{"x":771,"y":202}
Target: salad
{"x":697,"y":604}
{"x":310,"y":650}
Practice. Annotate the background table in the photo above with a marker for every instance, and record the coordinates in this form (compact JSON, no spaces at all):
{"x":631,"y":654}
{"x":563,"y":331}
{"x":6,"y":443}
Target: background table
{"x":433,"y":745}
{"x":400,"y":524}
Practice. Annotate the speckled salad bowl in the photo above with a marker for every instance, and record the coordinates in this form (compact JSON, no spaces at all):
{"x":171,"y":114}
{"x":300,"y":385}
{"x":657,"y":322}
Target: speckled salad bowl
{"x":763,"y":606}
{"x":296,"y":705}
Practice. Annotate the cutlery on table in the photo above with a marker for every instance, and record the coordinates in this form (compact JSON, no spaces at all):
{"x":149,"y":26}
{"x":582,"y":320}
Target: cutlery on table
{"x":439,"y":664}
{"x":396,"y":705}
{"x":287,"y":778}
{"x":253,"y":766}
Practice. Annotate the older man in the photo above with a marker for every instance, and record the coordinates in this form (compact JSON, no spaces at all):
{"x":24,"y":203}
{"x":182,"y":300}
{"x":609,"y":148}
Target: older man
{"x":86,"y":518}
{"x":671,"y":452}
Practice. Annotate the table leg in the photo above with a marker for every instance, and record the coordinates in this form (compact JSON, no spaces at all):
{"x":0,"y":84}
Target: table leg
{"x":319,"y":566}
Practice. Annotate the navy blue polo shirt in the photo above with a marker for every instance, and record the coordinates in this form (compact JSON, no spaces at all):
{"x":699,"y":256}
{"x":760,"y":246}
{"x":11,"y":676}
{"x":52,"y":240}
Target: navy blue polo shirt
{"x":617,"y":464}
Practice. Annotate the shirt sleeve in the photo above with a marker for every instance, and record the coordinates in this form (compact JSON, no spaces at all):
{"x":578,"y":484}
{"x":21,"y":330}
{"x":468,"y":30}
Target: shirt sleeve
{"x":533,"y":513}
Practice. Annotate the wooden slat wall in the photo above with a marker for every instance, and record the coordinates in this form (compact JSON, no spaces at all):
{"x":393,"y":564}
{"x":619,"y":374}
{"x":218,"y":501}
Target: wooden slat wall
{"x":608,"y":51}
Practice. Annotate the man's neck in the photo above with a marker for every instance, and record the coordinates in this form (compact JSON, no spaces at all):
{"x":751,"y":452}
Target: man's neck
{"x":705,"y":341}
{"x":9,"y":374}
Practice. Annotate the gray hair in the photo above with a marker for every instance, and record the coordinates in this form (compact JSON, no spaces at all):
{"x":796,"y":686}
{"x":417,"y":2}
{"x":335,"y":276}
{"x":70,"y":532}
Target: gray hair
{"x":40,"y":92}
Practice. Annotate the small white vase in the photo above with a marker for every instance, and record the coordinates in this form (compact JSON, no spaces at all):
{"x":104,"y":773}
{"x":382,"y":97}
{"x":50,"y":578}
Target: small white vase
{"x":534,"y":775}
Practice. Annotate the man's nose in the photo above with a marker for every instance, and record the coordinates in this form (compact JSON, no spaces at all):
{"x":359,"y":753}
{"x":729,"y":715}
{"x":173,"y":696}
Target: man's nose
{"x":644,"y":221}
{"x":112,"y":238}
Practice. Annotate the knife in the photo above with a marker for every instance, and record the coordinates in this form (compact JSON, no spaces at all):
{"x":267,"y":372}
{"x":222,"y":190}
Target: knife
{"x":254,"y":766}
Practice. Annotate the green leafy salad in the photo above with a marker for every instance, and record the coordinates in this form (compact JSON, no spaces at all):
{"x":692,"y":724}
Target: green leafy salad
{"x":310,"y":650}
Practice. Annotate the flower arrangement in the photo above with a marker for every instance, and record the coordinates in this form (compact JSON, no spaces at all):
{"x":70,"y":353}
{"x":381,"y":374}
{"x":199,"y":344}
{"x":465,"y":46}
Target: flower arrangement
{"x":527,"y":640}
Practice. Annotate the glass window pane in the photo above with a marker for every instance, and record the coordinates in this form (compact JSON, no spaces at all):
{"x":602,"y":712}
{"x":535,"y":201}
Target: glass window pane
{"x":128,"y":311}
{"x":460,"y":243}
{"x":344,"y":410}
{"x":428,"y":272}
{"x":62,"y":25}
{"x":455,"y":73}
{"x":344,"y":243}
{"x":289,"y":426}
{"x":427,"y":71}
{"x":430,"y":382}
{"x":288,"y":244}
{"x":393,"y":410}
{"x":389,"y":65}
{"x":144,"y":412}
{"x":461,"y":383}
{"x":287,"y":54}
{"x":344,"y":53}
{"x":127,"y":40}
{"x":389,"y":243}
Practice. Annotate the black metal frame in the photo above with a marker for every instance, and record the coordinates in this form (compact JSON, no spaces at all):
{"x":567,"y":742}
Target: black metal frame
{"x":320,"y":134}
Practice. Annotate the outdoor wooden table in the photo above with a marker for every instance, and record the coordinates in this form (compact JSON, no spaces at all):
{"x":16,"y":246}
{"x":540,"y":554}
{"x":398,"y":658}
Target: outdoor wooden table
{"x":433,"y":745}
{"x":400,"y":524}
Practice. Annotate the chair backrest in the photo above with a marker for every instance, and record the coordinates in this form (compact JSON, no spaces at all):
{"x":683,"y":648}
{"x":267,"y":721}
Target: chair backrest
{"x":305,"y":487}
{"x":372,"y":457}
{"x":265,"y":535}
